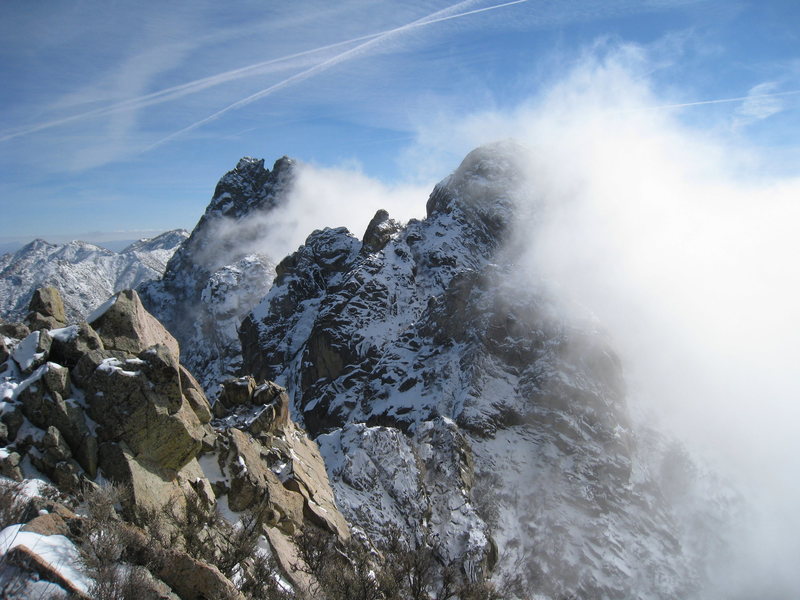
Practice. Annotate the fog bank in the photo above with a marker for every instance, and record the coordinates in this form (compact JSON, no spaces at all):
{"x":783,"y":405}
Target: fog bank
{"x":687,"y":254}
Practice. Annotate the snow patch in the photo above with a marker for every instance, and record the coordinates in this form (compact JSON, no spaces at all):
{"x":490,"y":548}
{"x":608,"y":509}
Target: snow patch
{"x":25,"y":353}
{"x":65,"y":334}
{"x":101,"y":310}
{"x":57,"y":550}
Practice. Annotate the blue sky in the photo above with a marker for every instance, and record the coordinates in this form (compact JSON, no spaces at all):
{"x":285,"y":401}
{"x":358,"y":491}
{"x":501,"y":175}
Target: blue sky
{"x":121,"y":117}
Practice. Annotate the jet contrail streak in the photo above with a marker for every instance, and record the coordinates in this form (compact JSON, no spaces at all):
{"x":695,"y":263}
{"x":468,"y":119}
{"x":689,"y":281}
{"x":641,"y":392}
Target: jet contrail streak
{"x":198,"y":85}
{"x":183,"y":89}
{"x":327,"y":64}
{"x":722,"y":100}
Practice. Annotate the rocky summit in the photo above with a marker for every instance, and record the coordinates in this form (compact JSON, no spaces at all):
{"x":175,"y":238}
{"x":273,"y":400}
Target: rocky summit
{"x":406,"y":414}
{"x":219,"y":274}
{"x":108,"y":401}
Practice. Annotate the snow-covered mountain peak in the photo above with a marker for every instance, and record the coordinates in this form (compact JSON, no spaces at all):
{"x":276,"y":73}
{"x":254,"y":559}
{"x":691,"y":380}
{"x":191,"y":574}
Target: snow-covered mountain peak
{"x":77,"y":250}
{"x":35,"y":245}
{"x":166,"y":241}
{"x":248,"y":162}
{"x":250,"y":187}
{"x":486,"y":188}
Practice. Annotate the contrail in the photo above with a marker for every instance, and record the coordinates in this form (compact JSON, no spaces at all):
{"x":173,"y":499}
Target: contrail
{"x":181,"y":90}
{"x":327,"y":64}
{"x":198,"y":85}
{"x":722,"y":100}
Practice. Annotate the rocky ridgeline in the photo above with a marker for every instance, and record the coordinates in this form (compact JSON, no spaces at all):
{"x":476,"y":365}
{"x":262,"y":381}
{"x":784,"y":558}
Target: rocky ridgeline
{"x":108,"y":400}
{"x":221,"y":272}
{"x":451,"y":397}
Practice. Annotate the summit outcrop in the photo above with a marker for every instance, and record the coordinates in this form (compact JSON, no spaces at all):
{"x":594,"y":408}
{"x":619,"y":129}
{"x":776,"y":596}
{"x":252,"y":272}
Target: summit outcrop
{"x":221,"y":272}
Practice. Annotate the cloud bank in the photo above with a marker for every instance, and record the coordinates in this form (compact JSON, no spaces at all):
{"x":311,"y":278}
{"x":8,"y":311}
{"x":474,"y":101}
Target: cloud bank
{"x":687,"y":254}
{"x":674,"y":237}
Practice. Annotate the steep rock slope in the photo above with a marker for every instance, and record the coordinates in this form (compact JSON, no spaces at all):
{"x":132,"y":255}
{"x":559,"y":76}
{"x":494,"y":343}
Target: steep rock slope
{"x":85,"y":274}
{"x":109,"y":401}
{"x":451,"y":397}
{"x":218,"y":275}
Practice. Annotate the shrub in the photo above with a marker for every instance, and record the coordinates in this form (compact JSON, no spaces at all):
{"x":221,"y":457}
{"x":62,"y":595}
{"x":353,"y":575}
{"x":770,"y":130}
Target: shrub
{"x":13,"y":503}
{"x":103,"y":545}
{"x":399,"y":569}
{"x":259,"y":580}
{"x":121,"y":582}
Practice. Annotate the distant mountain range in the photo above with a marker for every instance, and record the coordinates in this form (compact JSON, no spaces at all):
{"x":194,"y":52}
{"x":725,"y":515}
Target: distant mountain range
{"x":86,"y":274}
{"x":113,"y":245}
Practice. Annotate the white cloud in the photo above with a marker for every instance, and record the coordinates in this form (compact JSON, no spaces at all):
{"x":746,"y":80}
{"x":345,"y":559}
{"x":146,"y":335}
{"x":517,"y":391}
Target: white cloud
{"x":687,"y":254}
{"x":344,"y":196}
{"x":761,"y":103}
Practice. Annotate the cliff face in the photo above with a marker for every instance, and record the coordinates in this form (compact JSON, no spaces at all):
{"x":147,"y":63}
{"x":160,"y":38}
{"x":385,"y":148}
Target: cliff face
{"x":219,"y":274}
{"x":451,"y":395}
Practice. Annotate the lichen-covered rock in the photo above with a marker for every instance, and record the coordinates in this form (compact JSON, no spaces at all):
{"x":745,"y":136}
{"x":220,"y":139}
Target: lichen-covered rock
{"x":161,"y":368}
{"x":14,"y":330}
{"x":9,"y":465}
{"x":193,"y":393}
{"x":47,"y":524}
{"x":274,"y":416}
{"x":71,"y":343}
{"x":252,"y":483}
{"x":149,"y":587}
{"x":46,"y":309}
{"x":13,"y":419}
{"x":288,"y":559}
{"x":151,"y":485}
{"x":266,"y":458}
{"x":236,"y":392}
{"x":309,"y":479}
{"x":160,"y":427}
{"x":54,"y":459}
{"x":138,"y":415}
{"x":125,"y":325}
{"x":194,"y":579}
{"x":45,"y":400}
